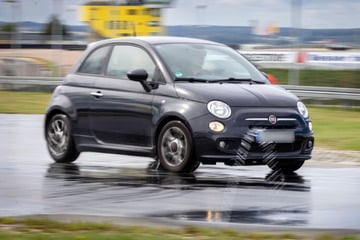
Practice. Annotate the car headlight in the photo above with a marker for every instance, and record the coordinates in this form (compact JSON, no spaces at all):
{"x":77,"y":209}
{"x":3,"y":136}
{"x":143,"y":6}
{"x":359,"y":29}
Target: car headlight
{"x":219,"y":109}
{"x":302,"y":109}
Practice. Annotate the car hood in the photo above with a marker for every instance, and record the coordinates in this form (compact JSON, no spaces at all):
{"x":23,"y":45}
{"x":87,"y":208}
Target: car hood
{"x":237,"y":94}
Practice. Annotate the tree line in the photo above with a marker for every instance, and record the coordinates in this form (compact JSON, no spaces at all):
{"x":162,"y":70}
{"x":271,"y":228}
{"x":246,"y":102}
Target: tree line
{"x":52,"y":27}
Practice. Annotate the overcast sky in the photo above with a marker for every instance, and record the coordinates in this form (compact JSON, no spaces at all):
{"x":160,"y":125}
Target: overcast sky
{"x":315,"y":13}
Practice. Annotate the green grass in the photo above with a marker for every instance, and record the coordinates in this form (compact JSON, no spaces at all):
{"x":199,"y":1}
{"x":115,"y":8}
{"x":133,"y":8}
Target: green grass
{"x":334,"y":128}
{"x":315,"y":77}
{"x":23,"y":102}
{"x":31,"y":229}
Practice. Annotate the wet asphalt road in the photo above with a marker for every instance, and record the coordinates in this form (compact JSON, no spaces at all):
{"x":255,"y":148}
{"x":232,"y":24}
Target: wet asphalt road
{"x":123,"y":186}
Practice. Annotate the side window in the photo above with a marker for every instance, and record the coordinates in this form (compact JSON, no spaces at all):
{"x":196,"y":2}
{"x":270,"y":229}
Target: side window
{"x":125,"y":58}
{"x":94,"y":63}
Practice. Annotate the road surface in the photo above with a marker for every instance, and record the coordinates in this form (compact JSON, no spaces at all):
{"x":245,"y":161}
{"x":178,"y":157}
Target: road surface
{"x":316,"y":197}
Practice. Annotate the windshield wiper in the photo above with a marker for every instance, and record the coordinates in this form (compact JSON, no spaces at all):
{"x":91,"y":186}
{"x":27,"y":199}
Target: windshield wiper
{"x":190,"y":79}
{"x":227,"y":80}
{"x":237,"y":80}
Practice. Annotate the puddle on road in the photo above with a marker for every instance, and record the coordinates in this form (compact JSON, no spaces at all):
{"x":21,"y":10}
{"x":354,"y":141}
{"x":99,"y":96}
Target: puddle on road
{"x":139,"y":177}
{"x":266,"y":217}
{"x":147,"y":192}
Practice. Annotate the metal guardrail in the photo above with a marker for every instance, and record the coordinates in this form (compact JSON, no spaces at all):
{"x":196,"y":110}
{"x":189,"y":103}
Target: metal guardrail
{"x":324,"y":93}
{"x":47,"y":84}
{"x":304,"y":92}
{"x":50,"y":81}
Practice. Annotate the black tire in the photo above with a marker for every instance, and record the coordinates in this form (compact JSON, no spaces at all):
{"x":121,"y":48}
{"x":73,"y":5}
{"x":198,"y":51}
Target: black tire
{"x":59,"y":139}
{"x":194,"y":166}
{"x":289,"y":166}
{"x":175,"y":148}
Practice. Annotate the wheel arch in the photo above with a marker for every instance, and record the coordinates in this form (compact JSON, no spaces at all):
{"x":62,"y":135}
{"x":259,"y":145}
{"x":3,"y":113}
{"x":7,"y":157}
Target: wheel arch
{"x":163,"y":122}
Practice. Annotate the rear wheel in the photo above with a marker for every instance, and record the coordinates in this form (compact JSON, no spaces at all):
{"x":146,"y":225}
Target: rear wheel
{"x":60,"y":142}
{"x":175,"y":148}
{"x":286,"y":166}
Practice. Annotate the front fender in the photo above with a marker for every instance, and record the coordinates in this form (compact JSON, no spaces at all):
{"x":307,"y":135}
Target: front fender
{"x":186,"y":110}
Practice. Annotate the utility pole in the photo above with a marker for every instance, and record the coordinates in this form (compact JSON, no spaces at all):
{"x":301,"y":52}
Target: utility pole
{"x":56,"y":35}
{"x":13,"y":37}
{"x":296,"y":12}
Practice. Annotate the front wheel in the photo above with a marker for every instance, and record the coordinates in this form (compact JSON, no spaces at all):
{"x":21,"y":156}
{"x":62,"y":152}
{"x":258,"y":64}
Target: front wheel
{"x":175,"y":148}
{"x":60,"y":142}
{"x":286,"y":166}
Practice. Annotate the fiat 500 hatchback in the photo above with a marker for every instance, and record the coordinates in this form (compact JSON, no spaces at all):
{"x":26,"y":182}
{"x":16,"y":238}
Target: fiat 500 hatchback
{"x":181,"y":101}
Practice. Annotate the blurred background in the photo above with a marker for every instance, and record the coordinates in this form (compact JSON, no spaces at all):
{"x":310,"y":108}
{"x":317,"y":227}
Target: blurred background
{"x":298,"y":42}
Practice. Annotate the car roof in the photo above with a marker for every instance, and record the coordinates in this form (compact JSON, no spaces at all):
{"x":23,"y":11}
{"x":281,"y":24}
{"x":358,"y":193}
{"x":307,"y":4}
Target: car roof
{"x":152,"y":40}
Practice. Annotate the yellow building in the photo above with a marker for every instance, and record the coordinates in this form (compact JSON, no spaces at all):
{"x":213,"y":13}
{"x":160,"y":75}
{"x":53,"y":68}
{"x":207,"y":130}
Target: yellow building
{"x":111,"y":19}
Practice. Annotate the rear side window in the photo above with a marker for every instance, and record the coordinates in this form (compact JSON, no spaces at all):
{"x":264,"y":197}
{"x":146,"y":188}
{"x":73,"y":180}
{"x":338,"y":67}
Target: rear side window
{"x":94,"y":63}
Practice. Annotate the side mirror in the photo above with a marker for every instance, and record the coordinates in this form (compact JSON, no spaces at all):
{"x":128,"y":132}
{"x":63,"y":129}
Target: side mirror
{"x":137,"y":75}
{"x":140,"y":75}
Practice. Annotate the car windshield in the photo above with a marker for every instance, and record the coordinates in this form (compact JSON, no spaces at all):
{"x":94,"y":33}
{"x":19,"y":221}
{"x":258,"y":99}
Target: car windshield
{"x":207,"y":63}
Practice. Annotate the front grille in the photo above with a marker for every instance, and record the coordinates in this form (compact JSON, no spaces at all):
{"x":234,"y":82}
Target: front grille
{"x":260,"y":126}
{"x":279,"y":147}
{"x":233,"y":145}
{"x":281,"y":123}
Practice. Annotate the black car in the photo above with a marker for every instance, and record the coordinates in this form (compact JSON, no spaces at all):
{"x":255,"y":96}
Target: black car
{"x":181,"y":101}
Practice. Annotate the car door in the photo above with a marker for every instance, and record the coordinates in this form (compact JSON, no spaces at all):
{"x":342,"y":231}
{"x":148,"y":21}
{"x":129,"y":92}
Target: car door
{"x":121,"y":110}
{"x":77,"y":87}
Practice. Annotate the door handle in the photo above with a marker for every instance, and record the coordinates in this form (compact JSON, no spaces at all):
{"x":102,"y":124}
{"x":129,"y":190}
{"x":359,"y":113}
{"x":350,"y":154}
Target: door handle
{"x":97,"y":94}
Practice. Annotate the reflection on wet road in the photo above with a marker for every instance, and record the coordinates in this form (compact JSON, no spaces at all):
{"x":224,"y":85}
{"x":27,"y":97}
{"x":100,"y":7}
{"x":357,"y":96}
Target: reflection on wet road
{"x":147,"y":192}
{"x":123,"y":186}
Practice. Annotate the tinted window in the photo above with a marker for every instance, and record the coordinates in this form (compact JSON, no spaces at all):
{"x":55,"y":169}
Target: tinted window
{"x":127,"y":58}
{"x":95,"y":61}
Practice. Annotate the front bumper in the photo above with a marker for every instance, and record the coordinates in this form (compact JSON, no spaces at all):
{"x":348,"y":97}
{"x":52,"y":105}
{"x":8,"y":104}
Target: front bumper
{"x":237,"y":144}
